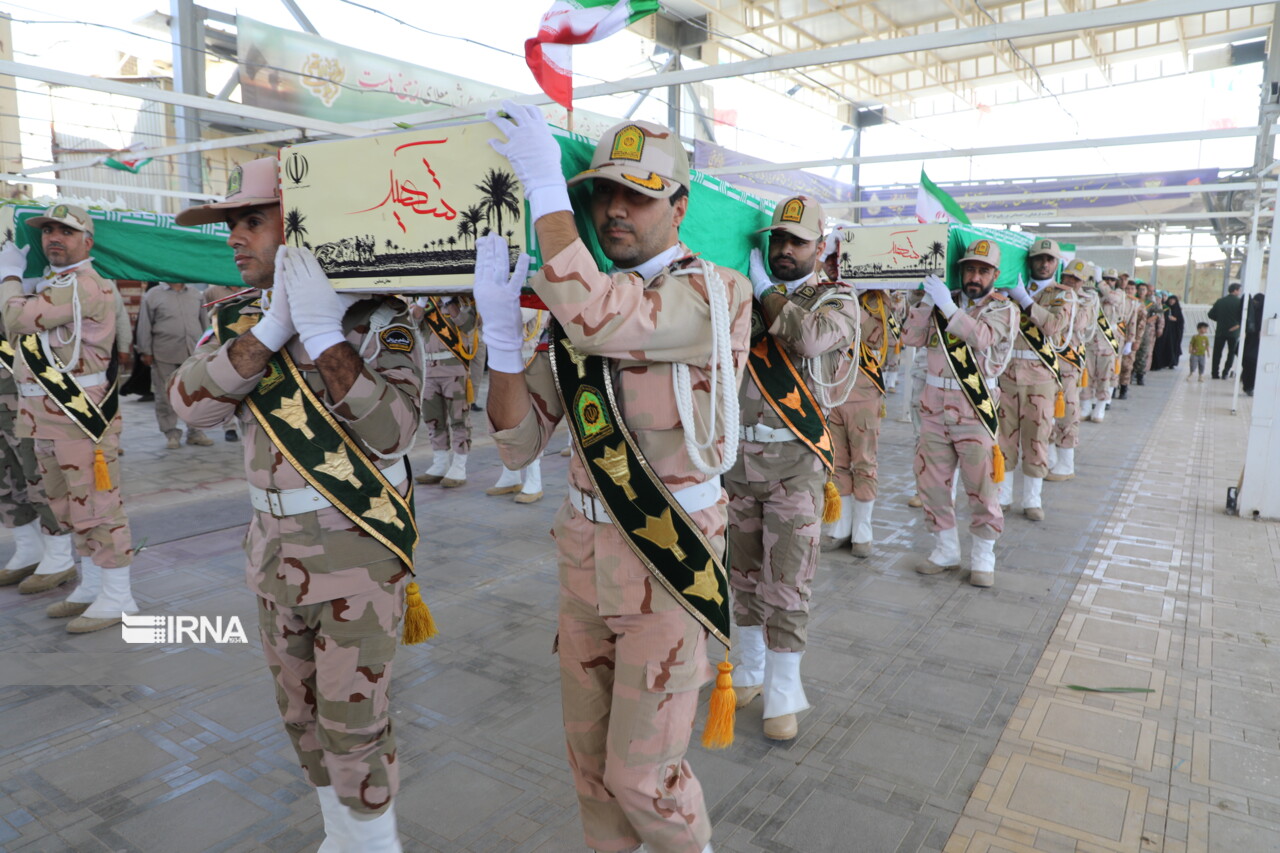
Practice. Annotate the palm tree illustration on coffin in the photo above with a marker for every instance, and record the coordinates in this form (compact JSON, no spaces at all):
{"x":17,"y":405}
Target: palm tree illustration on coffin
{"x":294,"y":229}
{"x":937,"y":251}
{"x":499,"y":189}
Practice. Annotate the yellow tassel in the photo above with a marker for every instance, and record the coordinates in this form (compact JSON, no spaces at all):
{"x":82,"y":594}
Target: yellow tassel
{"x":883,"y":410}
{"x":101,"y":476}
{"x":418,"y":624}
{"x":719,"y":731}
{"x":997,"y":464}
{"x":471,"y":391}
{"x":1060,"y":406}
{"x":1084,"y":377}
{"x":830,"y":503}
{"x":1118,"y":359}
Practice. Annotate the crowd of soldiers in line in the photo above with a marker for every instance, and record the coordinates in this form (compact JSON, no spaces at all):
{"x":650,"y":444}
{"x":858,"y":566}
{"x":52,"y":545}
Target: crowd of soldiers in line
{"x":705,"y":408}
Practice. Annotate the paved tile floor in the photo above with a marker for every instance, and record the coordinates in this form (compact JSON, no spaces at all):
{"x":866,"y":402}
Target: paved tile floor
{"x":942,"y":719}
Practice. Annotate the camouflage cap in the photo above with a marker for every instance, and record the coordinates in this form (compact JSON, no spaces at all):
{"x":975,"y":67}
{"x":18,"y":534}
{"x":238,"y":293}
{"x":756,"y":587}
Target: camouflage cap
{"x":984,"y":251}
{"x":70,"y":215}
{"x":1077,"y":269}
{"x":249,"y":185}
{"x":1045,"y":246}
{"x":1112,"y":273}
{"x":798,"y":215}
{"x":642,"y":156}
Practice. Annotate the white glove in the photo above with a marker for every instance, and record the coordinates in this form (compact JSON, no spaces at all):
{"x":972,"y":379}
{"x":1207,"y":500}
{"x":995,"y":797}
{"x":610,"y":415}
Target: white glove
{"x":497,"y":298}
{"x":534,"y":156}
{"x":936,"y":289}
{"x":13,"y":261}
{"x":316,"y":308}
{"x":276,"y":326}
{"x":760,"y":282}
{"x":831,"y":244}
{"x":1020,"y":295}
{"x":1128,"y":348}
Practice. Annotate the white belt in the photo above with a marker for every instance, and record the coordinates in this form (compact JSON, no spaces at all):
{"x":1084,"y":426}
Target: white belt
{"x":953,"y":385}
{"x":692,"y":499}
{"x":764,"y":434}
{"x":440,"y":356}
{"x":1025,"y":353}
{"x":282,"y":503}
{"x":35,"y":389}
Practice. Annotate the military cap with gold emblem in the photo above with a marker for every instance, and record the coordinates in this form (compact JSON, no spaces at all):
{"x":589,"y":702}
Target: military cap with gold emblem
{"x":250,"y":185}
{"x":798,"y":215}
{"x":1076,"y":269}
{"x":984,"y":251}
{"x":1045,"y":246}
{"x":69,"y":215}
{"x":642,"y":156}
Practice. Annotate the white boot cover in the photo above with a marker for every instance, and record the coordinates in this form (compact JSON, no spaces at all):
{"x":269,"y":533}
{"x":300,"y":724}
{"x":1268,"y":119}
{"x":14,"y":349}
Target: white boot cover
{"x":116,"y":596}
{"x":59,"y":554}
{"x":862,"y":532}
{"x":783,"y":692}
{"x":947,"y":551}
{"x":750,"y":669}
{"x":28,"y":548}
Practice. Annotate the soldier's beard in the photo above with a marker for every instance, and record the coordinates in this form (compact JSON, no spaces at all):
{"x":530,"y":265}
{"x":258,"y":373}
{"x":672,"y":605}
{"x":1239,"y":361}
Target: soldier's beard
{"x":793,"y":271}
{"x":975,"y":290}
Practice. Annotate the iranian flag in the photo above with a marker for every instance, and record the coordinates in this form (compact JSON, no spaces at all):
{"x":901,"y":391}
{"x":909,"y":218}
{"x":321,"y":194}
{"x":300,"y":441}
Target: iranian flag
{"x":933,"y":205}
{"x":127,"y":161}
{"x":570,"y":22}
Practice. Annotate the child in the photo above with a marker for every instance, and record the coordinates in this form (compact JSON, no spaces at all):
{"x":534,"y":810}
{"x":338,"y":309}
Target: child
{"x":1199,"y":349}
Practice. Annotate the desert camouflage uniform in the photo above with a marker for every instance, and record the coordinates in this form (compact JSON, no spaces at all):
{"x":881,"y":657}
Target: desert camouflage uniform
{"x":330,"y":597}
{"x":776,"y":488}
{"x":445,"y":409}
{"x":1028,"y":389}
{"x":631,"y":657}
{"x":1066,"y":429}
{"x":1154,"y":325}
{"x":1135,"y":326}
{"x":950,"y":430}
{"x":64,"y":453}
{"x":22,"y":498}
{"x":170,"y":324}
{"x":855,"y":424}
{"x":1101,"y":357}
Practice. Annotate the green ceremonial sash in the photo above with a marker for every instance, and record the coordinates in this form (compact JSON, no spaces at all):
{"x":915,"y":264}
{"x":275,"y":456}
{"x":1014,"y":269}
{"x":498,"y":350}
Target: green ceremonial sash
{"x":319,"y":449}
{"x":92,"y":418}
{"x":1039,"y":344}
{"x":870,"y":367}
{"x":894,"y":324}
{"x":784,"y":390}
{"x":652,"y":522}
{"x":1072,"y":356}
{"x":1108,"y":332}
{"x":445,"y":329}
{"x":965,"y":368}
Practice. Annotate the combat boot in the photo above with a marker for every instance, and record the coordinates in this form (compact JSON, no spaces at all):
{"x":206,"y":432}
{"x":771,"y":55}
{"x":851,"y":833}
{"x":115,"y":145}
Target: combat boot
{"x":115,"y":598}
{"x":57,"y":566}
{"x":836,"y":534}
{"x":1031,"y":505}
{"x":508,"y":483}
{"x":1099,"y":412}
{"x":862,"y":534}
{"x":1124,"y":392}
{"x":982,"y":562}
{"x":435,"y":473}
{"x":28,"y":550}
{"x":783,"y":694}
{"x":748,"y":675}
{"x":457,"y":473}
{"x":945,"y":556}
{"x":1066,"y":467}
{"x":531,"y":491}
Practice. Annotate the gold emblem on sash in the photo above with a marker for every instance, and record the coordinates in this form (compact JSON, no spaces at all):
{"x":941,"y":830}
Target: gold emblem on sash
{"x":614,"y":464}
{"x":576,"y":357}
{"x":337,"y":464}
{"x":293,"y":413}
{"x":705,"y":585}
{"x":381,"y":509}
{"x":661,"y":531}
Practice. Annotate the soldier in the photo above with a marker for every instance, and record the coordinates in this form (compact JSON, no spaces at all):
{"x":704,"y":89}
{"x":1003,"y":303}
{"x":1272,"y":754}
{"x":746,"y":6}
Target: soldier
{"x":334,"y":383}
{"x":641,"y":583}
{"x":66,"y":332}
{"x":968,"y":340}
{"x":1032,"y":382}
{"x":1153,"y":313}
{"x":1105,"y":348}
{"x":42,"y":556}
{"x":855,"y":426}
{"x":448,"y":326}
{"x":170,"y":324}
{"x":1133,"y":324}
{"x":801,"y":328}
{"x":1071,"y":361}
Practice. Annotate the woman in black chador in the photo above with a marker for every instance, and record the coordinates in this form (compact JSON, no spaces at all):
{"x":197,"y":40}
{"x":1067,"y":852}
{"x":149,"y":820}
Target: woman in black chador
{"x":1169,"y":345}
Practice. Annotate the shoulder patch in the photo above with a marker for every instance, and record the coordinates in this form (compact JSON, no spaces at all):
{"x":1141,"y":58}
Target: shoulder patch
{"x":397,"y":339}
{"x":807,"y":292}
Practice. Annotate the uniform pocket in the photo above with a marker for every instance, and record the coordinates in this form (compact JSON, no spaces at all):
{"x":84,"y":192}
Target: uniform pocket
{"x":667,"y":677}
